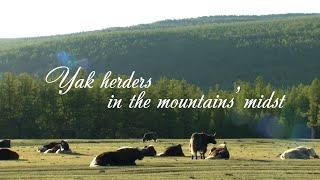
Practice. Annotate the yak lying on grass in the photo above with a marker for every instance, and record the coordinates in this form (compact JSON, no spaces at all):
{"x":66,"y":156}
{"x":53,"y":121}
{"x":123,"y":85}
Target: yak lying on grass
{"x":175,"y":150}
{"x":6,"y":143}
{"x":149,"y":151}
{"x":199,"y":143}
{"x":121,"y":157}
{"x":64,"y":147}
{"x":56,"y":147}
{"x":7,"y":154}
{"x":46,"y":147}
{"x":219,"y":152}
{"x":300,"y":152}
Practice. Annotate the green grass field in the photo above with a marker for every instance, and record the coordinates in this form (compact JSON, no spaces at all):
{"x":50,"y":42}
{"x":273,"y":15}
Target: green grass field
{"x":250,"y":159}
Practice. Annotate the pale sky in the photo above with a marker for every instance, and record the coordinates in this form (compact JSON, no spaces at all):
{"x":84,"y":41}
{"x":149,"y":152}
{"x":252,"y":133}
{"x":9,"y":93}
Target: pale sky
{"x":29,"y":18}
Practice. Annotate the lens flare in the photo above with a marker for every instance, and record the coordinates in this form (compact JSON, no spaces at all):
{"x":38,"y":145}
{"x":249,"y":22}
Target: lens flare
{"x":67,"y":59}
{"x":270,"y":127}
{"x":84,"y":63}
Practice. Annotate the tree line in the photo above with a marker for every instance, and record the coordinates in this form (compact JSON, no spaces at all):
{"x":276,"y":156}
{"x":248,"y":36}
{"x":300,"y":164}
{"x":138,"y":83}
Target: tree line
{"x":31,"y":108}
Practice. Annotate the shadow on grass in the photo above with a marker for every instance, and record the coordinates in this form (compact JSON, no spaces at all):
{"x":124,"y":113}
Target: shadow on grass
{"x":24,"y":160}
{"x":70,"y":153}
{"x":260,"y":160}
{"x":75,"y":154}
{"x":251,"y":160}
{"x":14,"y":160}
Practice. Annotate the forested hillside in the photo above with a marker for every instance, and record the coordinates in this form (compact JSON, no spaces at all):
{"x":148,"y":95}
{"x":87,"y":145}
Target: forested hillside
{"x":185,"y":59}
{"x":284,"y":49}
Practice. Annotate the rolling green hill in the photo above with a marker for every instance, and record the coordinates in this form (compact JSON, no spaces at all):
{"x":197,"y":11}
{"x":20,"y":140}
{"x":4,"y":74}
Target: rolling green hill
{"x":284,"y":49}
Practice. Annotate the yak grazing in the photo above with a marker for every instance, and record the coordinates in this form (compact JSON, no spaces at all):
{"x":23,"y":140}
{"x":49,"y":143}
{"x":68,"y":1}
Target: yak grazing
{"x":219,"y":152}
{"x":199,"y":143}
{"x":120,"y":157}
{"x":7,"y":154}
{"x":300,"y":152}
{"x":6,"y":143}
{"x":175,"y":150}
{"x":150,"y":136}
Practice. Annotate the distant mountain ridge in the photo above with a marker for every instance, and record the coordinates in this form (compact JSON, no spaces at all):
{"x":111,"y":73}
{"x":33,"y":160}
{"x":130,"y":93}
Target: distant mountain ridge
{"x":221,"y":19}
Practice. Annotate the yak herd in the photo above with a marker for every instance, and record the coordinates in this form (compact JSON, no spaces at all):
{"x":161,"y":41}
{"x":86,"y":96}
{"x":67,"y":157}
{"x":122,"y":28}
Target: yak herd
{"x":128,"y":155}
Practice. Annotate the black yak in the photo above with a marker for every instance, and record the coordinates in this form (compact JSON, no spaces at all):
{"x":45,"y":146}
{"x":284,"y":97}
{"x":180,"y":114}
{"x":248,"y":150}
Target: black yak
{"x":149,"y":151}
{"x":175,"y":150}
{"x":7,"y":154}
{"x":56,"y":147}
{"x":199,"y":143}
{"x":120,"y":157}
{"x":64,"y":147}
{"x":219,"y":152}
{"x":6,"y":143}
{"x":48,"y":146}
{"x":150,"y":136}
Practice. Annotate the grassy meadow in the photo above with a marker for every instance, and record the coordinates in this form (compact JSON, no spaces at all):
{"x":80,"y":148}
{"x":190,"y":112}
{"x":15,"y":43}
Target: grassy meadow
{"x":250,"y":159}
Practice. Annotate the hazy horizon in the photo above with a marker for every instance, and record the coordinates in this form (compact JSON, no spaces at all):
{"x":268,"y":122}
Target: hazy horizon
{"x":140,"y":24}
{"x":37,"y":18}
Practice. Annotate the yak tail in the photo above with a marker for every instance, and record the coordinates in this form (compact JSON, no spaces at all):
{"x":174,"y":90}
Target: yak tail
{"x":93,"y":163}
